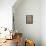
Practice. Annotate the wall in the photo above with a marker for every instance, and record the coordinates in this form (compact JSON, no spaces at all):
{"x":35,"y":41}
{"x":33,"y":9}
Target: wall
{"x":43,"y":22}
{"x":30,"y":31}
{"x":6,"y":13}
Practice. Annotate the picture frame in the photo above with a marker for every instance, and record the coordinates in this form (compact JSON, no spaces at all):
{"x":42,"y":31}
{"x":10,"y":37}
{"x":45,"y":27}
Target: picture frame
{"x":29,"y":19}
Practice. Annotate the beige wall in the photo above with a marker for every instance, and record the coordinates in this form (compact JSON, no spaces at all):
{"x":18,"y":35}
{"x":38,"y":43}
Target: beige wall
{"x":31,"y":31}
{"x":43,"y":22}
{"x":37,"y":30}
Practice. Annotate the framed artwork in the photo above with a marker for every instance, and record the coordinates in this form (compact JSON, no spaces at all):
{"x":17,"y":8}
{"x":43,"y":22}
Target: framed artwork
{"x":29,"y":19}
